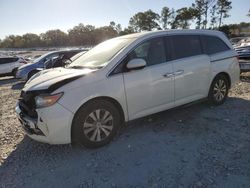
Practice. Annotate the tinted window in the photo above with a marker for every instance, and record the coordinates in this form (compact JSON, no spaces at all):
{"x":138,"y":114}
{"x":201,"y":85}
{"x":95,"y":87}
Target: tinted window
{"x":8,"y":60}
{"x":70,"y":54}
{"x":49,"y":57}
{"x":186,"y":46}
{"x":152,"y":51}
{"x":213,"y":45}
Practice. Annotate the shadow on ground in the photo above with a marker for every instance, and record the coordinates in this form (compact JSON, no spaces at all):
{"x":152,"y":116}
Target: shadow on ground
{"x":190,"y":146}
{"x":16,"y":84}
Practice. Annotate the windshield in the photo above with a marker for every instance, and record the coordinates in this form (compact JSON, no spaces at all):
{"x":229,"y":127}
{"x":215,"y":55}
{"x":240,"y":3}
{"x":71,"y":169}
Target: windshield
{"x":41,"y":57}
{"x":100,"y":55}
{"x":77,"y":55}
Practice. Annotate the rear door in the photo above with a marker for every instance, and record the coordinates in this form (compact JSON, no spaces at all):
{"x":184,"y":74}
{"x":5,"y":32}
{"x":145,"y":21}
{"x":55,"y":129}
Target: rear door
{"x":6,"y":65}
{"x":151,"y":89}
{"x":191,"y":68}
{"x":14,"y":63}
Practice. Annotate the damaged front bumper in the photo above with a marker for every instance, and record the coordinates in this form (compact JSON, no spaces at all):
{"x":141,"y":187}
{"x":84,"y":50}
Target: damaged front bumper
{"x":52,"y":125}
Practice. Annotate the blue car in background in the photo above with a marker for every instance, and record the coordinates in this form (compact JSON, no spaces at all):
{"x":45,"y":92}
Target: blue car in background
{"x":25,"y":72}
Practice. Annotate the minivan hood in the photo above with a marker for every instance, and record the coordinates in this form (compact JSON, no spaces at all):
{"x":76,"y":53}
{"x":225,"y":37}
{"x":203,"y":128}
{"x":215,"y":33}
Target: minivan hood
{"x":44,"y":80}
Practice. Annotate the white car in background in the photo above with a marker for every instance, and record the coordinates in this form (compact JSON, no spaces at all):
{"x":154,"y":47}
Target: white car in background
{"x":123,"y":79}
{"x":9,"y":65}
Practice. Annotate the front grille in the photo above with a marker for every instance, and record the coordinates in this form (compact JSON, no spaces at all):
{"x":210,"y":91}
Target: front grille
{"x":27,"y":103}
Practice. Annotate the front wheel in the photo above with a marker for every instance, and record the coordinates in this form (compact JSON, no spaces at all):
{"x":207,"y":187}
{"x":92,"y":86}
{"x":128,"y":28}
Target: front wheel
{"x":218,"y":90}
{"x":96,"y":123}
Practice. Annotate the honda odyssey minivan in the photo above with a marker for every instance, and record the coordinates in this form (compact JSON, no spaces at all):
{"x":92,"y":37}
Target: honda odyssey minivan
{"x":123,"y":79}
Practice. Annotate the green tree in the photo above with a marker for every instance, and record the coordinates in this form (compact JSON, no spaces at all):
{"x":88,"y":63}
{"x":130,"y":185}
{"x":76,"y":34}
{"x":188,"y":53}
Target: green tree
{"x":31,"y":40}
{"x":183,"y":17}
{"x":13,"y":41}
{"x":248,"y":13}
{"x":198,"y":8}
{"x":208,"y":5}
{"x":172,"y":21}
{"x":82,"y":35}
{"x":144,"y":21}
{"x":166,"y":17}
{"x":54,"y":38}
{"x":127,"y":30}
{"x":223,"y":7}
{"x":103,"y":33}
{"x":201,"y":11}
{"x":213,"y":17}
{"x":116,"y":27}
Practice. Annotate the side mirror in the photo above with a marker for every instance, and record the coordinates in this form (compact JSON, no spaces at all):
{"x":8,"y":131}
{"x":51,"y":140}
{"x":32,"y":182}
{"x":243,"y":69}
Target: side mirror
{"x":136,"y":63}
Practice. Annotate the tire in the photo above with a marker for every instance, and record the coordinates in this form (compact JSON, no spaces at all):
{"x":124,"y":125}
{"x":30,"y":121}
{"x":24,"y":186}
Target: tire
{"x":14,"y":71}
{"x":32,"y":73}
{"x":95,"y":124}
{"x":218,"y":90}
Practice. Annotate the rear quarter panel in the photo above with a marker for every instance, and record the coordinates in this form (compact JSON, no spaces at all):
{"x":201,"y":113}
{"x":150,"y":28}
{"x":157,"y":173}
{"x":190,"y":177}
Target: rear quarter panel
{"x":226,"y":62}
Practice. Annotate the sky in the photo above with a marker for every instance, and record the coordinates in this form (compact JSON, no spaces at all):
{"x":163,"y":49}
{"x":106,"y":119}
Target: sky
{"x":37,"y":16}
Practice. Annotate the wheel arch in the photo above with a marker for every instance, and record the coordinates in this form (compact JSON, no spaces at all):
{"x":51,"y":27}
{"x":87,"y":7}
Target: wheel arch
{"x":224,"y":74}
{"x":110,"y":99}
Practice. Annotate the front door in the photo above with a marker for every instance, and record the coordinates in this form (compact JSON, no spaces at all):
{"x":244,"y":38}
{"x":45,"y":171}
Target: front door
{"x":151,"y":89}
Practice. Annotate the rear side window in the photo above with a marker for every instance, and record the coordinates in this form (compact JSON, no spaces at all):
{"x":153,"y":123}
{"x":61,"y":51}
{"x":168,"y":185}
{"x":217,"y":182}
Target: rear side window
{"x":213,"y":45}
{"x":186,"y":46}
{"x":8,"y":60}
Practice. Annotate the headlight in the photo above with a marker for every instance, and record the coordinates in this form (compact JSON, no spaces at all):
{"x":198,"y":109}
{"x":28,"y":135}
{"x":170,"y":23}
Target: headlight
{"x":47,"y":100}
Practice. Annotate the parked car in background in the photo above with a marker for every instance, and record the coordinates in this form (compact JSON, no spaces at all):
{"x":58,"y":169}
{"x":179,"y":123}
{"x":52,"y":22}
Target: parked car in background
{"x":235,"y":41}
{"x":73,"y":58}
{"x":9,"y":65}
{"x":27,"y":71}
{"x":60,"y":61}
{"x":63,"y":60}
{"x":123,"y":79}
{"x":244,"y":58}
{"x":242,"y":43}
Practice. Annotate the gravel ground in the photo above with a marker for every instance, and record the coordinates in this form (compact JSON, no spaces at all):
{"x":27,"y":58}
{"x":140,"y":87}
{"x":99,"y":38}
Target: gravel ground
{"x":192,"y":146}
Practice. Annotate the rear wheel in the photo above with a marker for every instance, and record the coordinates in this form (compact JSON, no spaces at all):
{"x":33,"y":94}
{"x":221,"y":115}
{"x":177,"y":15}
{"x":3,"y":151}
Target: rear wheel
{"x":218,"y":90}
{"x":96,"y":123}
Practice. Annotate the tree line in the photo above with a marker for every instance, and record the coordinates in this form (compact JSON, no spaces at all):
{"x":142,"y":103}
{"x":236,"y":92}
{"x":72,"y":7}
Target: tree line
{"x":205,"y":14}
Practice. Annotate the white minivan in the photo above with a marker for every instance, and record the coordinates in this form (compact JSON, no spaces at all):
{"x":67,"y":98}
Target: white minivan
{"x":123,"y":79}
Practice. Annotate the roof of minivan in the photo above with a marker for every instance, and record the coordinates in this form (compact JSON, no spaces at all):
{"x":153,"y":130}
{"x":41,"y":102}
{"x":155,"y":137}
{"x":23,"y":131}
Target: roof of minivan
{"x":173,"y":31}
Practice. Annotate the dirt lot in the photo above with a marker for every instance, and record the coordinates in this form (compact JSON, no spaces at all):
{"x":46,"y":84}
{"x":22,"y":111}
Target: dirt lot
{"x":192,"y":146}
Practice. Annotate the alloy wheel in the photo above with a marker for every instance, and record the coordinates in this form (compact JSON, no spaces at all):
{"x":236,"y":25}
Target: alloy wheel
{"x":220,"y":90}
{"x":98,"y":125}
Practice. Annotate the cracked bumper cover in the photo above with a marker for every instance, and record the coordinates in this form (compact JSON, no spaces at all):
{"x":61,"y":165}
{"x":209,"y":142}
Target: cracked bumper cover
{"x":53,"y":124}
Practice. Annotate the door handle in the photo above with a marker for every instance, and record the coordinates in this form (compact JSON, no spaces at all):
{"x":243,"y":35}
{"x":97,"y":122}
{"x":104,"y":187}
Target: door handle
{"x":179,"y":72}
{"x":168,"y":75}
